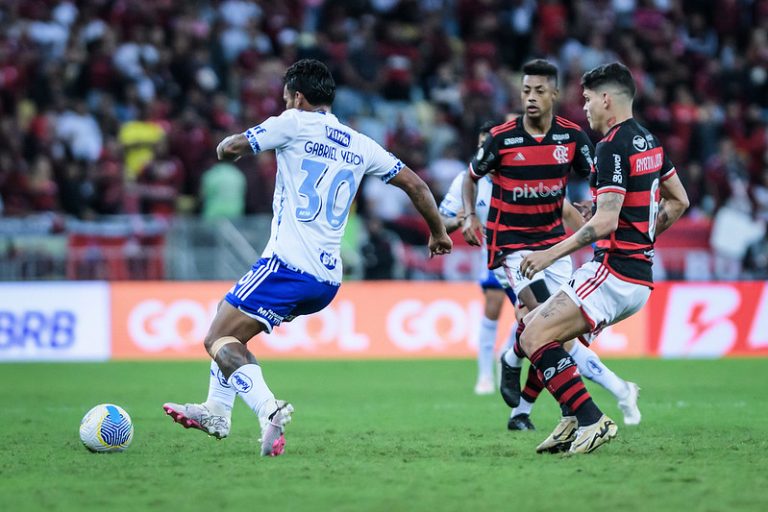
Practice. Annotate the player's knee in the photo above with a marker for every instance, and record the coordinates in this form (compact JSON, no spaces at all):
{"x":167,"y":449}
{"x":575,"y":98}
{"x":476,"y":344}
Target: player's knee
{"x":528,"y":318}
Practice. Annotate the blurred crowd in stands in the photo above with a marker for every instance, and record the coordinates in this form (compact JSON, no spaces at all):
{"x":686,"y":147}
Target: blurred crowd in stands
{"x":116,"y":106}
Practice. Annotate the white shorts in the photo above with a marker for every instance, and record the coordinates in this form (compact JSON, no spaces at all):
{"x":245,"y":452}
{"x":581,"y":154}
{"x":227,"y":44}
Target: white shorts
{"x":603,"y":298}
{"x":554,"y":276}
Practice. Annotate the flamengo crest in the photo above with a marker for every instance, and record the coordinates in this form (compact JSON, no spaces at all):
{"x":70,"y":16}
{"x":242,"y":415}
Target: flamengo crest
{"x":561,"y":154}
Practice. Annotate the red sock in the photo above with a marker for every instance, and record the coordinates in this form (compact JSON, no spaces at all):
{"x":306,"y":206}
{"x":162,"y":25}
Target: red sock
{"x":533,"y":385}
{"x":519,"y":352}
{"x":562,"y":379}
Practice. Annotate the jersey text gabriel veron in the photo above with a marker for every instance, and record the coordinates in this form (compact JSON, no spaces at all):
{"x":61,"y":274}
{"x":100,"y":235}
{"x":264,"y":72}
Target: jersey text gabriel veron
{"x":529,"y":180}
{"x":630,"y":161}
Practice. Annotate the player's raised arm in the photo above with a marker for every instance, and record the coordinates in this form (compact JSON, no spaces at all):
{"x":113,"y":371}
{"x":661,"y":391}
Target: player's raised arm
{"x":421,"y":197}
{"x":674,"y":202}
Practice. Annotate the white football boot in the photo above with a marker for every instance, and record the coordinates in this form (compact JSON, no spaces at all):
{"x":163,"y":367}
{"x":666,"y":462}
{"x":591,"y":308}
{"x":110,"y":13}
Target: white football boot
{"x":201,"y":417}
{"x":591,"y":437}
{"x":272,"y":428}
{"x":561,"y":438}
{"x":628,"y":405}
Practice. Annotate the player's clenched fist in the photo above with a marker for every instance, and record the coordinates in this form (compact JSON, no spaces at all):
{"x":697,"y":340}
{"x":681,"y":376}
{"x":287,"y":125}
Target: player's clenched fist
{"x":441,"y":244}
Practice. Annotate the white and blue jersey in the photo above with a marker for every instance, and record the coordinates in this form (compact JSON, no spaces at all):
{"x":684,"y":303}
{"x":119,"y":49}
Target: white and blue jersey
{"x":320,"y":164}
{"x":453,"y":202}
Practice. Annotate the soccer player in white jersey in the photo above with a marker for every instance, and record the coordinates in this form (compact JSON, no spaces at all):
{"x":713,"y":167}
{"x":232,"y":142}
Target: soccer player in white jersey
{"x":320,"y":163}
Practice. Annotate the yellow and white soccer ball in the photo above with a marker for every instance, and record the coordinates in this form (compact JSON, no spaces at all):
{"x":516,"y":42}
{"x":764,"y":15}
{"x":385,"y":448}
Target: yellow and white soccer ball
{"x":106,"y":428}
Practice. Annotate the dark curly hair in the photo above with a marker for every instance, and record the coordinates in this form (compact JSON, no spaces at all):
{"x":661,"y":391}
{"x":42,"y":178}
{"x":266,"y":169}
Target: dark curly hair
{"x":313,"y":79}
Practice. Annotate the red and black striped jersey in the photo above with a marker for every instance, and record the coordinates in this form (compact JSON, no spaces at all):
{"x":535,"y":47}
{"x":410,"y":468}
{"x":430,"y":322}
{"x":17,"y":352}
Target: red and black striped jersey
{"x":529,"y":180}
{"x":630,"y":161}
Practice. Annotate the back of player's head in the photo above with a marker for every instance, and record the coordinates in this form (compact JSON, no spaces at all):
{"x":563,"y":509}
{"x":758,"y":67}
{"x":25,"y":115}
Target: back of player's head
{"x":614,"y":74}
{"x":313,"y":79}
{"x":541,"y":67}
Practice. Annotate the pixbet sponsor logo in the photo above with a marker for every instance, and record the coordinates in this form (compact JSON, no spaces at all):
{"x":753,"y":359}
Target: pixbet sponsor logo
{"x":537,"y":191}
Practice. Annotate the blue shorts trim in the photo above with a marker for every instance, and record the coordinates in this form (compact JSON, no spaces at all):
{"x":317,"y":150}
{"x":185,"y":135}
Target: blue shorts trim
{"x":273,"y":293}
{"x":489,"y":282}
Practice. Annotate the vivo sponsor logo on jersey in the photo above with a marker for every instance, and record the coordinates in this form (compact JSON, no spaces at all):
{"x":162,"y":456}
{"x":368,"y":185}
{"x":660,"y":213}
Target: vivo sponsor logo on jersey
{"x":647,"y":161}
{"x":340,"y":137}
{"x":54,"y":321}
{"x":561,"y":136}
{"x":511,"y":141}
{"x":540,"y":190}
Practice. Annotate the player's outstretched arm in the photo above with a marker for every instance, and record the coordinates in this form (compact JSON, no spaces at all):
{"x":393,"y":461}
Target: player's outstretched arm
{"x":453,"y":223}
{"x":472,"y":229}
{"x":233,"y":147}
{"x":422,"y":199}
{"x":674,"y":202}
{"x":603,"y":223}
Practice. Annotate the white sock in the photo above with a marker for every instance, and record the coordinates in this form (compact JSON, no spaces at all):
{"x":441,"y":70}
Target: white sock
{"x":249,"y":384}
{"x":485,"y":344}
{"x":591,"y":367}
{"x":221,"y":396}
{"x":524,"y":407}
{"x":512,"y":359}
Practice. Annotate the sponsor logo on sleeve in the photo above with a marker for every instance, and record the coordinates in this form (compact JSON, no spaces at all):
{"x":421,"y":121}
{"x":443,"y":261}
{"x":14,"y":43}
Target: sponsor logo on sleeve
{"x":639,"y":143}
{"x":617,"y":177}
{"x":646,"y":162}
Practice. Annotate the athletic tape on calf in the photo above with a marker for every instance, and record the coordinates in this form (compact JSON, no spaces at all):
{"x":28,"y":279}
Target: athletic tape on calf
{"x":219,"y":344}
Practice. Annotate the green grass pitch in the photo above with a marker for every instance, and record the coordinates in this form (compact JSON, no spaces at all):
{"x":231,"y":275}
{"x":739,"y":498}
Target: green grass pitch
{"x":383,"y":435}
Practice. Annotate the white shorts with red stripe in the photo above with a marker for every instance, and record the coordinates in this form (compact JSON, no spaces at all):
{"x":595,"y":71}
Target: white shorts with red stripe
{"x":603,"y":298}
{"x":554,"y":276}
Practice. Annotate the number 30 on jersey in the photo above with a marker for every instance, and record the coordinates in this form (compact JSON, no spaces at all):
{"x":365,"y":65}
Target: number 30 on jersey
{"x":316,"y":171}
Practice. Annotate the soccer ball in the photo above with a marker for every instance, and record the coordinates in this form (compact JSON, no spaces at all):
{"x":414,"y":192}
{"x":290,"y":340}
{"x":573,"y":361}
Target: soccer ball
{"x":106,"y":428}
